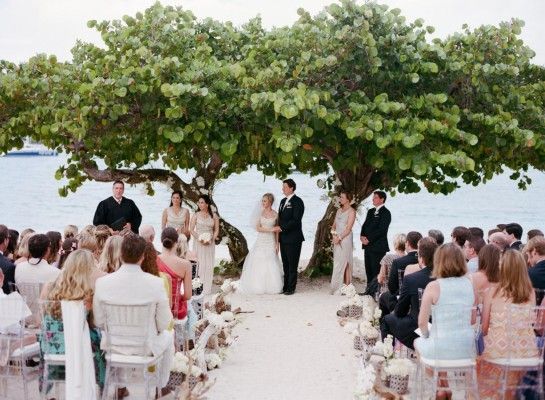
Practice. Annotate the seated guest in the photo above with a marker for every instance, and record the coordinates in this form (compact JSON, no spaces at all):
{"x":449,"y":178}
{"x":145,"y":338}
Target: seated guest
{"x":437,"y":235}
{"x":386,"y":263}
{"x":475,"y":232}
{"x":73,"y":283}
{"x":6,"y":266}
{"x":55,"y":240}
{"x":88,"y":241}
{"x":149,"y":265}
{"x":21,"y":252}
{"x":514,"y":235}
{"x":472,"y":246}
{"x":67,"y":247}
{"x":110,"y":259}
{"x":532,"y":233}
{"x":102,"y":233}
{"x":499,"y":239}
{"x":388,"y":299}
{"x":147,"y":232}
{"x":12,"y":245}
{"x":36,"y":269}
{"x":488,"y":272}
{"x":179,"y":271}
{"x":514,"y":287}
{"x":452,"y":288}
{"x":404,"y":320}
{"x":536,"y":258}
{"x":129,"y":285}
{"x":459,"y":235}
{"x":70,"y":231}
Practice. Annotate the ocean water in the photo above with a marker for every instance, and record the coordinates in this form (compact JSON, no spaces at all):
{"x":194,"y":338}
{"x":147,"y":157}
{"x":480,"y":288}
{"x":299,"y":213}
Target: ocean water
{"x":29,"y":198}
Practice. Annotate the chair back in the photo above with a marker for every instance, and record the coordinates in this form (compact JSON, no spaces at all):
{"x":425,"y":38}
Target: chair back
{"x":13,"y":311}
{"x":127,"y":327}
{"x":31,"y":293}
{"x":453,"y":332}
{"x":525,"y":334}
{"x":51,"y":327}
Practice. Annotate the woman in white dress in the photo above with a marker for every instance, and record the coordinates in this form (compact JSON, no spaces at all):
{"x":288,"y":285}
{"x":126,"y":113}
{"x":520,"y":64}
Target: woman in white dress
{"x":205,"y":229}
{"x":343,"y":246}
{"x":177,"y":217}
{"x":262,"y":272}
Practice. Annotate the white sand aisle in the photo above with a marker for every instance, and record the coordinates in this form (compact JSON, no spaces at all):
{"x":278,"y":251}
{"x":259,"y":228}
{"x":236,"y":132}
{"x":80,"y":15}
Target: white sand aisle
{"x":291,"y":347}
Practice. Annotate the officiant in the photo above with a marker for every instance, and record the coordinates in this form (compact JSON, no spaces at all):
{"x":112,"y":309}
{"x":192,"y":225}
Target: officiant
{"x":117,"y":211}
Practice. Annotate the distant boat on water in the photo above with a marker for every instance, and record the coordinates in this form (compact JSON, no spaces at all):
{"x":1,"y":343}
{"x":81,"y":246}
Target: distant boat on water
{"x":31,"y":148}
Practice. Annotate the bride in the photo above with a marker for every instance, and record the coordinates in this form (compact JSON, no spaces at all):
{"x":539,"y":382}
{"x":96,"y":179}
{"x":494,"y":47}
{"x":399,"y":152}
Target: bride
{"x":262,"y":271}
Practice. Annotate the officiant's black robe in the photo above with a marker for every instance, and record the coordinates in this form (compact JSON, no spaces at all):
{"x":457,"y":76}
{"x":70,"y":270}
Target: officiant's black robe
{"x":109,"y":211}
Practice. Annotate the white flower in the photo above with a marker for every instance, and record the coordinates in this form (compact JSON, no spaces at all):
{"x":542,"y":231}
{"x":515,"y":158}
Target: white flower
{"x":343,"y":304}
{"x":203,"y":191}
{"x":354,"y":301}
{"x":205,"y":237}
{"x":365,"y":383}
{"x":199,"y":180}
{"x":212,"y":361}
{"x":227,"y":316}
{"x":348,"y":290}
{"x":195,"y":371}
{"x":320,"y":183}
{"x":196,"y":283}
{"x":399,"y":366}
{"x":367,"y":330}
{"x":388,"y":350}
{"x":224,"y":241}
{"x":378,"y":313}
{"x":179,"y":363}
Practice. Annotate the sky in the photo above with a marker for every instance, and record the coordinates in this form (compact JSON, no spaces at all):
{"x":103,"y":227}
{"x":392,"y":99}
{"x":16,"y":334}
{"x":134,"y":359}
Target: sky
{"x":28,"y":27}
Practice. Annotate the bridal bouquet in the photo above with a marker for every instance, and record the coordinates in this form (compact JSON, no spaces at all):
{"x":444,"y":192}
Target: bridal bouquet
{"x":205,"y":238}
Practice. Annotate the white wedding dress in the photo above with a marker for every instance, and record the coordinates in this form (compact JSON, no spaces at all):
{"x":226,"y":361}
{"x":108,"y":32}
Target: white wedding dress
{"x":262,"y":272}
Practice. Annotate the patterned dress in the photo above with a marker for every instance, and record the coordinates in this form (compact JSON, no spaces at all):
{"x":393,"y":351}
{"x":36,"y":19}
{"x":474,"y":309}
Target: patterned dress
{"x":496,"y":345}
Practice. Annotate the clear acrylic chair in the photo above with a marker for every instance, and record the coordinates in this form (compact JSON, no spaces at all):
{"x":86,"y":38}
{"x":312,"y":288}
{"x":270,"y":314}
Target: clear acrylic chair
{"x":16,"y":348}
{"x":52,"y":346}
{"x":453,"y":354}
{"x":523,"y":355}
{"x":31,"y":293}
{"x":127,"y":350}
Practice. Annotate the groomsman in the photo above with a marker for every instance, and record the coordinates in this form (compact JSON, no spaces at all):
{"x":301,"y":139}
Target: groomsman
{"x":291,"y":236}
{"x":374,"y":235}
{"x":117,"y":211}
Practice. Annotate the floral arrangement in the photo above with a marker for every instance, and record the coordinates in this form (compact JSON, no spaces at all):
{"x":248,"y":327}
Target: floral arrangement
{"x":365,"y":384}
{"x":213,"y":361}
{"x":376,"y":317}
{"x":384,"y":348}
{"x":196,"y":284}
{"x":184,"y":364}
{"x":399,"y":367}
{"x":205,"y":237}
{"x":368,"y":331}
{"x":229,"y":286}
{"x":348,"y":290}
{"x":228,"y":316}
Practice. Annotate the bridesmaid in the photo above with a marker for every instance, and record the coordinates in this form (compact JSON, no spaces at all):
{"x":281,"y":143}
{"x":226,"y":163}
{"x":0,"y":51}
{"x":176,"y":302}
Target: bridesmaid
{"x":205,"y":221}
{"x":175,"y":216}
{"x":343,"y":246}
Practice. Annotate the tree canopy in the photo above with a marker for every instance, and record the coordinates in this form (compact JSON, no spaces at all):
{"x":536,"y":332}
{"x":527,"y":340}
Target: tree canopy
{"x":355,"y":89}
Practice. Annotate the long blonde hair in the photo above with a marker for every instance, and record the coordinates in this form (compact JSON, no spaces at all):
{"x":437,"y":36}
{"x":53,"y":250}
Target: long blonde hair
{"x":22,"y":247}
{"x":514,"y":283}
{"x":448,"y":262}
{"x":110,"y":258}
{"x":74,"y":281}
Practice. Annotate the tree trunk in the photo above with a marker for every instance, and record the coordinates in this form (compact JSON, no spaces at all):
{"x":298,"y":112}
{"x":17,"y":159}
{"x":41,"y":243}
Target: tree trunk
{"x":357,"y":181}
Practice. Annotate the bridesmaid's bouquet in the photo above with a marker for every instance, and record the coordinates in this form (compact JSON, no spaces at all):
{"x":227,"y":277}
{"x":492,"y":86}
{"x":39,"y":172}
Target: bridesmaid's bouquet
{"x":334,"y":234}
{"x":205,"y":238}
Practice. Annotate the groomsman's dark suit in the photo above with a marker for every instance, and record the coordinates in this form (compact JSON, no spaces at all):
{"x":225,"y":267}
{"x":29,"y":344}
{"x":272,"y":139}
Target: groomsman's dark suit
{"x":516,"y":245}
{"x":404,"y":320}
{"x":388,"y":299}
{"x":537,"y":275}
{"x":291,"y":239}
{"x":375,"y":228}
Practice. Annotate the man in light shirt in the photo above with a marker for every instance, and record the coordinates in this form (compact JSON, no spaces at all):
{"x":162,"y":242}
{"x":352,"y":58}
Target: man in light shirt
{"x":472,"y":246}
{"x":36,"y":269}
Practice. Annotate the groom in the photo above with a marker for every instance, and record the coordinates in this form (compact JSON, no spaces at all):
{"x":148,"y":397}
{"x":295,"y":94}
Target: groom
{"x":291,"y":237}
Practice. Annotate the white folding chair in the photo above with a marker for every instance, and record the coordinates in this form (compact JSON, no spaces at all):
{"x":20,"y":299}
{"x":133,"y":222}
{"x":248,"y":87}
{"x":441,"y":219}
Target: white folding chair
{"x":31,"y":293}
{"x":14,"y":353}
{"x":522,"y":356}
{"x":127,"y":346}
{"x":451,"y":329}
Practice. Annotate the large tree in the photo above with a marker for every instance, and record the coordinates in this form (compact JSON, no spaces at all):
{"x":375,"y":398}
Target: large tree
{"x":359,"y":91}
{"x":356,"y":91}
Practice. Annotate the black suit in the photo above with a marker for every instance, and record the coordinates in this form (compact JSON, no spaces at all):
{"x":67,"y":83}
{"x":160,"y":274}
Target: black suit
{"x":537,"y":275}
{"x":388,"y":299}
{"x":375,"y":228}
{"x":404,"y":320}
{"x":8,"y":269}
{"x":516,"y":245}
{"x":291,"y":239}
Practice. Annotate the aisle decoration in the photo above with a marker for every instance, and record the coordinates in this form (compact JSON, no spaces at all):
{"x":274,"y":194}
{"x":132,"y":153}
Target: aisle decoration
{"x":352,"y":307}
